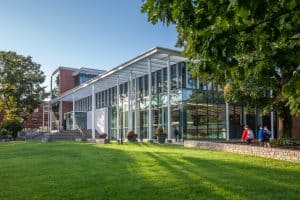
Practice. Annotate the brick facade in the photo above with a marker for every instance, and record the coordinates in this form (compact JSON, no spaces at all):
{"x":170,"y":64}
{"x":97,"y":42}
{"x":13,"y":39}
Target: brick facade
{"x":35,"y":121}
{"x":67,"y":107}
{"x":67,"y":81}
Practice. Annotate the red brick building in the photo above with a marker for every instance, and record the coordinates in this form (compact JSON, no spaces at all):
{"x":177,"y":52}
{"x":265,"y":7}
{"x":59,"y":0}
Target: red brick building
{"x":39,"y":119}
{"x":62,"y":80}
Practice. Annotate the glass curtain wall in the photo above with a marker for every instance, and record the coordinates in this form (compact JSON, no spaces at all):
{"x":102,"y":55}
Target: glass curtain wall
{"x":197,"y":110}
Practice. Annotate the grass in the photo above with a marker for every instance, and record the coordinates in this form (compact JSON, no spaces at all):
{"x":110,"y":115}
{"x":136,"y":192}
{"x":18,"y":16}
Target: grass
{"x":69,"y":170}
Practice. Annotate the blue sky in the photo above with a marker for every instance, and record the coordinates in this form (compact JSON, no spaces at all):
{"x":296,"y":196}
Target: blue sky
{"x":79,"y":33}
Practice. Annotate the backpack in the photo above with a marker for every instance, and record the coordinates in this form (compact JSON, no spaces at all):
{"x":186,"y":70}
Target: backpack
{"x":250,"y":134}
{"x":267,"y":135}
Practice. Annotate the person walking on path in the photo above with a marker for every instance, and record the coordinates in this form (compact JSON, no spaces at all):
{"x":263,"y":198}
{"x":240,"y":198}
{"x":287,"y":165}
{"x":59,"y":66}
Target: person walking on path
{"x":247,"y":135}
{"x":175,"y":133}
{"x":266,"y":137}
{"x":260,"y":135}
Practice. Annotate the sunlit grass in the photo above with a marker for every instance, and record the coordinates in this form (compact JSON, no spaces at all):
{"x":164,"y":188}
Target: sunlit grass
{"x":69,"y":170}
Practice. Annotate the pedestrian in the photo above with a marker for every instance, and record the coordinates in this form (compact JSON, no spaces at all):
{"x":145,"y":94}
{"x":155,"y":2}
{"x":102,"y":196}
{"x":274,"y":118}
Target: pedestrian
{"x":266,"y":137}
{"x":175,"y":133}
{"x":260,"y":135}
{"x":247,"y":135}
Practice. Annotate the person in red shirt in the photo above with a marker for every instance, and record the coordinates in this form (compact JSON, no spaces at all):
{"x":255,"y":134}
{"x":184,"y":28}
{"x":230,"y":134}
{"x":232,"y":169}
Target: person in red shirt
{"x":246,"y":136}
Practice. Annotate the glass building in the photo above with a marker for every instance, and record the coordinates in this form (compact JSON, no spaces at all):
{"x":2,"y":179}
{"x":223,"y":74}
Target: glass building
{"x":154,"y":89}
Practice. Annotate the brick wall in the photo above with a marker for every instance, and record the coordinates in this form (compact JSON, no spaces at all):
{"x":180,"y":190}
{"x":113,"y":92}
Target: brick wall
{"x":67,"y":81}
{"x":275,"y":153}
{"x":67,"y":106}
{"x":35,"y":120}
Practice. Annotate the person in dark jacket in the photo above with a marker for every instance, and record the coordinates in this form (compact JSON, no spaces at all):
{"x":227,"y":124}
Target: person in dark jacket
{"x":266,"y":137}
{"x":175,"y":133}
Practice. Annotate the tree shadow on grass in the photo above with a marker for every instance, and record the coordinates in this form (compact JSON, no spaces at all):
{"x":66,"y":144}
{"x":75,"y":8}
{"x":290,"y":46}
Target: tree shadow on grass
{"x":233,"y":180}
{"x":198,"y":187}
{"x":69,"y":170}
{"x":66,"y":170}
{"x":249,"y":180}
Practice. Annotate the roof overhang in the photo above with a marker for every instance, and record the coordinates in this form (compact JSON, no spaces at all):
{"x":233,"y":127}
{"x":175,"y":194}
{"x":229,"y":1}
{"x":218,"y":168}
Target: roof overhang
{"x":137,"y":66}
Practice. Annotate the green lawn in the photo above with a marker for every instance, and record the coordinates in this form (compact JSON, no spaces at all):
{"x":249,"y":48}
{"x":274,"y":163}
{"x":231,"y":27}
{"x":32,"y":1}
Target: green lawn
{"x":70,"y":170}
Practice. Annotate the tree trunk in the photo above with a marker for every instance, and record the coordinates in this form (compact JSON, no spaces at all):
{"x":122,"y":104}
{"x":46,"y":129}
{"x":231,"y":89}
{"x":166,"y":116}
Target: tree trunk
{"x":285,"y":124}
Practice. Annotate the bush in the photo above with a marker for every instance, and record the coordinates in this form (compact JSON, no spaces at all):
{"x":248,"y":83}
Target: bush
{"x":286,"y":141}
{"x":4,"y":133}
{"x":131,"y":136}
{"x":103,"y":135}
{"x":160,"y":135}
{"x":159,"y":131}
{"x":12,"y":126}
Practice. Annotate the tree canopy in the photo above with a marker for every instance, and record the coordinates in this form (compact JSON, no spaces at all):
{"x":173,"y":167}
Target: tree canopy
{"x":20,"y":85}
{"x":251,"y":48}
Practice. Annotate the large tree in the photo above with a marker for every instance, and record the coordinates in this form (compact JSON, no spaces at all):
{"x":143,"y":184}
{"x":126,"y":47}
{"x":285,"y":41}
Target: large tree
{"x":250,"y":47}
{"x":20,"y":85}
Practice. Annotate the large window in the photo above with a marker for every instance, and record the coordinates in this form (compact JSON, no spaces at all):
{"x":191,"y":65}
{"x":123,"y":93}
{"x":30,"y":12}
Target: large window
{"x":141,"y":87}
{"x":159,"y":81}
{"x":182,"y":75}
{"x":146,"y":84}
{"x":191,"y":81}
{"x":81,"y":78}
{"x":205,"y":115}
{"x":84,"y":104}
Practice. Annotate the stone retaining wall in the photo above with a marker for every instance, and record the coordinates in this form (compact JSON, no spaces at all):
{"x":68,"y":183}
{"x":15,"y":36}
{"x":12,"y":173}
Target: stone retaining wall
{"x":275,"y":153}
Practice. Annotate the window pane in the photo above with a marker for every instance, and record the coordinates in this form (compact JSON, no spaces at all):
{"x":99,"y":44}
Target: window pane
{"x":146,"y":82}
{"x":173,"y":77}
{"x":153,"y":85}
{"x":165,"y":80}
{"x":159,"y":81}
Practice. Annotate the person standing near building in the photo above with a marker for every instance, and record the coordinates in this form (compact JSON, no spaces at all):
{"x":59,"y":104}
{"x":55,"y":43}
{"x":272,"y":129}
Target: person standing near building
{"x":260,"y":135}
{"x":266,"y":137}
{"x":175,"y":133}
{"x":247,"y":135}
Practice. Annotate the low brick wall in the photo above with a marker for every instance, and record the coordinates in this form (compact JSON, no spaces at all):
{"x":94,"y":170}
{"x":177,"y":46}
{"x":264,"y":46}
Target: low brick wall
{"x":275,"y":153}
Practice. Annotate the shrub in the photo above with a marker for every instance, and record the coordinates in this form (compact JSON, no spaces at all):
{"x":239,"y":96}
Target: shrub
{"x":103,"y":135}
{"x":4,"y":133}
{"x":159,"y":131}
{"x":13,"y":126}
{"x":286,"y":141}
{"x":131,"y":136}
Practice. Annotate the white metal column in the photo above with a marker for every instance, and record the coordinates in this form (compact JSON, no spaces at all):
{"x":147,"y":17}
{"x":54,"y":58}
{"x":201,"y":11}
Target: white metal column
{"x":118,"y":110}
{"x":50,"y":117}
{"x":168,"y":99}
{"x":129,"y":102}
{"x":150,"y":101}
{"x":60,"y":115}
{"x":73,"y":113}
{"x":227,"y":121}
{"x":136,"y":108}
{"x":93,"y":113}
